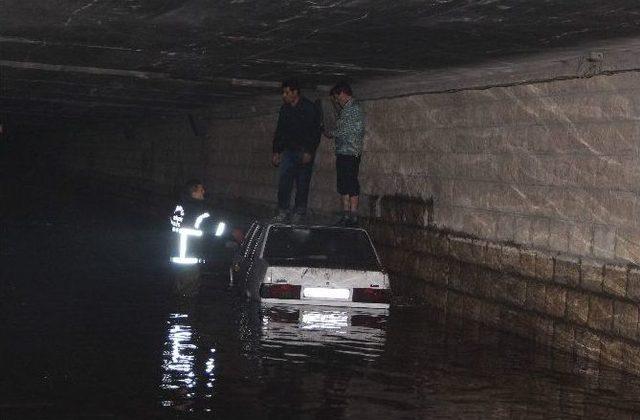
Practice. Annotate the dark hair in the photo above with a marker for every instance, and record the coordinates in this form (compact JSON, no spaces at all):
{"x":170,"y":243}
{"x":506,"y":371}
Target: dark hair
{"x":341,"y":87}
{"x":191,"y":185}
{"x":292,"y":84}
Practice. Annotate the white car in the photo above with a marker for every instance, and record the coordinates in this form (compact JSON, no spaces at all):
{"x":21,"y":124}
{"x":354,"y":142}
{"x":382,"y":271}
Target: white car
{"x":310,"y":265}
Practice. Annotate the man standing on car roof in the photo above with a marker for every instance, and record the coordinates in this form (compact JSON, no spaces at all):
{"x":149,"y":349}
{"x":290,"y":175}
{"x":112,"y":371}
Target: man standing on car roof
{"x":349,"y":141}
{"x":294,"y":146}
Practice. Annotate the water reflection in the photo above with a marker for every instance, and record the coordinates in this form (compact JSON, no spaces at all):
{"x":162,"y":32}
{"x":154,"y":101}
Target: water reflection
{"x":72,"y":356}
{"x":345,"y":331}
{"x":245,"y":361}
{"x":183,"y":365}
{"x":330,"y":320}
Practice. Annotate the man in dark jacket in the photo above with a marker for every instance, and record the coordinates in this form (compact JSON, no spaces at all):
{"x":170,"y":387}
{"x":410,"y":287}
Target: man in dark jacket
{"x":294,"y":147}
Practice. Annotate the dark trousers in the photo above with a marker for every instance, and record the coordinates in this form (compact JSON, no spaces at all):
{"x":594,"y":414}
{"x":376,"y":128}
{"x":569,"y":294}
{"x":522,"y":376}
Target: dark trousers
{"x":186,"y":280}
{"x":293,"y":171}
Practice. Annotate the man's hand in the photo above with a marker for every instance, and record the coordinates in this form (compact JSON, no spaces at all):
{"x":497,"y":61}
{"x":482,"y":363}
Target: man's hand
{"x":275,"y":159}
{"x":306,"y":158}
{"x":327,"y":134}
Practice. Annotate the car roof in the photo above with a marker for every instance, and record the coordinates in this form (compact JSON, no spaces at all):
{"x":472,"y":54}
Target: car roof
{"x":269,"y":224}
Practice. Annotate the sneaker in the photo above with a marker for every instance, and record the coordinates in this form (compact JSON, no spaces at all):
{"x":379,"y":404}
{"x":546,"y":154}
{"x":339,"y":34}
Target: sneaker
{"x":298,"y":219}
{"x":351,"y":222}
{"x":282,"y":217}
{"x":342,"y":221}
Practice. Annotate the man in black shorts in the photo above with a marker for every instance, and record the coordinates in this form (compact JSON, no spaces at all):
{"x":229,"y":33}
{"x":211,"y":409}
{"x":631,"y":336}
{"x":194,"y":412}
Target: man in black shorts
{"x":349,"y":139}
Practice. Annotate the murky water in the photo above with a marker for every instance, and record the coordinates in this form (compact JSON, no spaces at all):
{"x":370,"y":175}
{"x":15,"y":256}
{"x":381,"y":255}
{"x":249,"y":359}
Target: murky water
{"x":90,"y":330}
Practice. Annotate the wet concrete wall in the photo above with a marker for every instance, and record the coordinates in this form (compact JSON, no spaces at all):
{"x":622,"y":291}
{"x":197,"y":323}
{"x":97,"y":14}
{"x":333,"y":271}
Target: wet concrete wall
{"x":527,"y":202}
{"x":550,"y":165}
{"x":514,"y":205}
{"x":143,"y":163}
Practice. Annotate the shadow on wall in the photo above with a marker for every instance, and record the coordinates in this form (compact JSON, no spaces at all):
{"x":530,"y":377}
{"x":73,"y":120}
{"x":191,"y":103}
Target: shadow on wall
{"x":401,"y":209}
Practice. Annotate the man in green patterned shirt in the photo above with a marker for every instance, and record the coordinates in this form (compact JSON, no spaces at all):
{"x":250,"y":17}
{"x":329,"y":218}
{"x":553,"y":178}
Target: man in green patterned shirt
{"x":349,"y":139}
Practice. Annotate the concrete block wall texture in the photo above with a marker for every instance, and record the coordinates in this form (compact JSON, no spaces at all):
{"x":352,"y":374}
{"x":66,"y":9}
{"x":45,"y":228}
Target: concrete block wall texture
{"x":156,"y":156}
{"x":552,"y":166}
{"x":535,"y":189}
{"x":536,"y":184}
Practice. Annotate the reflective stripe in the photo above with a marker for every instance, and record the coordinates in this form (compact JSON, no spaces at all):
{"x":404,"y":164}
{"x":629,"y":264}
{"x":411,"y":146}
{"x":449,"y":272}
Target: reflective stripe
{"x":178,"y":217}
{"x":180,"y":260}
{"x":184,"y":235}
{"x":200,"y":219}
{"x":190,"y":232}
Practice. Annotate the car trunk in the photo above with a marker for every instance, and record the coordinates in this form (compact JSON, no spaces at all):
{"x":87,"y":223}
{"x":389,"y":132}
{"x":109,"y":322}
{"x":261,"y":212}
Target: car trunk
{"x":326,"y":278}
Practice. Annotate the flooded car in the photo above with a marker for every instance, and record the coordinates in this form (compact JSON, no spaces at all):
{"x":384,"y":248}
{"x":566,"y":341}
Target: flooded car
{"x":310,"y":265}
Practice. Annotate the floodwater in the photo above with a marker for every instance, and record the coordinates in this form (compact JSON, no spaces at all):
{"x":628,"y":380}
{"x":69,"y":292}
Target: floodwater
{"x":90,"y":330}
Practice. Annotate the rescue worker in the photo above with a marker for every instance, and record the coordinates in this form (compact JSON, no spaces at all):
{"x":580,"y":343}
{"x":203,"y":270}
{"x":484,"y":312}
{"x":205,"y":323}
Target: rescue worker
{"x":189,"y":222}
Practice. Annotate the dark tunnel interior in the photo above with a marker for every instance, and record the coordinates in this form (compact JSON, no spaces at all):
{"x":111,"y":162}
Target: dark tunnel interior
{"x":126,"y":59}
{"x":499,"y":185}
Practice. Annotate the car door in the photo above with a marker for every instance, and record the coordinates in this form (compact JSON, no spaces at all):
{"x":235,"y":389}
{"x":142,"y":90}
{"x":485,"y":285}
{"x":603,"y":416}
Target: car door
{"x":255,"y":268}
{"x":240,"y":260}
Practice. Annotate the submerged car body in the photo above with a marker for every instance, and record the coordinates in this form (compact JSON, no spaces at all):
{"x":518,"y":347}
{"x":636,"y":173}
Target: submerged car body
{"x":356,"y":332}
{"x":310,"y":265}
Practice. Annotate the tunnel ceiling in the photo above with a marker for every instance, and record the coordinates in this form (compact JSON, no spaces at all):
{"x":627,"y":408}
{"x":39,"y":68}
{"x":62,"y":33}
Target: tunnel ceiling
{"x":127,"y":58}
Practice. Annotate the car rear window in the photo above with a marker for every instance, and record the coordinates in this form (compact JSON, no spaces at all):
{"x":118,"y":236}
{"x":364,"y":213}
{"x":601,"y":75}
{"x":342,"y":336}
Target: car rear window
{"x":320,"y":247}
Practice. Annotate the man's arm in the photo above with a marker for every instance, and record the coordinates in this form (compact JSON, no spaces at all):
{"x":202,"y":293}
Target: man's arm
{"x":278,"y":145}
{"x":313,"y":127}
{"x":277,"y":137}
{"x":318,"y":123}
{"x":177,"y":217}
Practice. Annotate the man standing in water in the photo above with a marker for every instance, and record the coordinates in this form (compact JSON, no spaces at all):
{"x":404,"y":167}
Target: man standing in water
{"x":187,"y":221}
{"x":294,"y":146}
{"x":349,"y":140}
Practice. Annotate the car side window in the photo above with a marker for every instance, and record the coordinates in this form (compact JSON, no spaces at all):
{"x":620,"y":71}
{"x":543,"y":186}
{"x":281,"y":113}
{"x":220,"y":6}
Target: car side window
{"x":253,"y":247}
{"x":244,"y":246}
{"x":252,"y":239}
{"x":256,"y":241}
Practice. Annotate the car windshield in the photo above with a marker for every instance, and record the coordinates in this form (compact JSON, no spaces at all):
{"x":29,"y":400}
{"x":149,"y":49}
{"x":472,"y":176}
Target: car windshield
{"x":320,"y":247}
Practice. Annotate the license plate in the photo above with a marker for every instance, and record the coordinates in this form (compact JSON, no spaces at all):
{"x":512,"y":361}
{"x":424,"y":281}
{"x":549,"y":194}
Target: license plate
{"x":326,"y":320}
{"x":325,"y":293}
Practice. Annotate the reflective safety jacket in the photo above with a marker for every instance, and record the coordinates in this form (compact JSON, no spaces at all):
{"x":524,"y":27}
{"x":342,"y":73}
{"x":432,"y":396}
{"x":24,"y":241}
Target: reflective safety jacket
{"x":191,"y":222}
{"x":187,"y":212}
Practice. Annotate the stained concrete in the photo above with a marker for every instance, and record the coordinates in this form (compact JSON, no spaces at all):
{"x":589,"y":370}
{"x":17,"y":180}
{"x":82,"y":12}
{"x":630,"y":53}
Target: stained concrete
{"x":512,"y":205}
{"x":114,"y":59}
{"x":500,"y":185}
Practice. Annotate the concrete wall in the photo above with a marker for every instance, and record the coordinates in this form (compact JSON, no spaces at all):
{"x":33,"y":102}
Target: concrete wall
{"x":514,"y":205}
{"x":145,"y":162}
{"x":554,"y":166}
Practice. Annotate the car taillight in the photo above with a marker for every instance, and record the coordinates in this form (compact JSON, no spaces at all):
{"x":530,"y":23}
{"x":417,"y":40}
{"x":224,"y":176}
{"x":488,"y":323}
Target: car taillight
{"x":279,"y":291}
{"x":367,"y":295}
